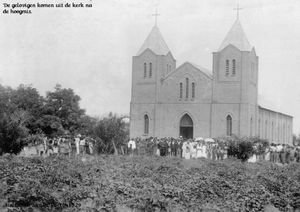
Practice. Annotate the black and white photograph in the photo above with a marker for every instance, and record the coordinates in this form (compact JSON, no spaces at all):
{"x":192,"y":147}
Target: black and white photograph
{"x":160,"y":105}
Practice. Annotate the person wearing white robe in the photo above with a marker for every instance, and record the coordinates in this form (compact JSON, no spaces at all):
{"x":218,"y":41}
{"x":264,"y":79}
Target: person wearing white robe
{"x":77,"y":142}
{"x":253,"y":158}
{"x":131,"y":144}
{"x":184,"y":148}
{"x":199,"y":150}
{"x":157,"y":150}
{"x":188,"y":147}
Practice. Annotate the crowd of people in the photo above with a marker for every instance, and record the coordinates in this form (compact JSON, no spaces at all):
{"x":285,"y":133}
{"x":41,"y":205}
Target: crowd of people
{"x":213,"y":149}
{"x":283,"y":153}
{"x":182,"y":148}
{"x":65,"y":145}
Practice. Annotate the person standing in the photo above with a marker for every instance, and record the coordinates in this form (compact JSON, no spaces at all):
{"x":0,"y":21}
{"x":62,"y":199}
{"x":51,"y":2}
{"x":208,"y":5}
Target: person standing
{"x":298,"y":154}
{"x":184,"y":147}
{"x":131,"y":146}
{"x":278,"y":153}
{"x":82,"y":145}
{"x":282,"y":154}
{"x":175,"y":146}
{"x":55,"y":146}
{"x":77,"y":143}
{"x":45,"y":144}
{"x":50,"y":147}
{"x":91,"y":146}
{"x":272,"y":153}
{"x":193,"y":148}
{"x":179,"y":148}
{"x":157,"y":147}
{"x":292,"y":154}
{"x":287,"y":154}
{"x":188,"y":147}
{"x":199,"y":153}
{"x":209,"y":151}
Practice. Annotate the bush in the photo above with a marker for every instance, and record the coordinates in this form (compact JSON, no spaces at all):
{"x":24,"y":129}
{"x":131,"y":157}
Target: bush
{"x":108,"y":183}
{"x":241,"y":148}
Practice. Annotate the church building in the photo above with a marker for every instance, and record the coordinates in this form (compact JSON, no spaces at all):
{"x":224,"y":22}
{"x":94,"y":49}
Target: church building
{"x":191,"y":101}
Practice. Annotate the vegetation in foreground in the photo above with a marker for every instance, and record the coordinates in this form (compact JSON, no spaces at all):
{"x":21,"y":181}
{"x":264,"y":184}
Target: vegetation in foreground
{"x":118,"y":183}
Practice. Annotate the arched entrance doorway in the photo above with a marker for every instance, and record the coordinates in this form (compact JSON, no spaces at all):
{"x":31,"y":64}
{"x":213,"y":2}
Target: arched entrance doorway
{"x":186,"y":126}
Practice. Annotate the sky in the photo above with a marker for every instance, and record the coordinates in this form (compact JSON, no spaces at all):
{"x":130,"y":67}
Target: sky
{"x":90,"y":49}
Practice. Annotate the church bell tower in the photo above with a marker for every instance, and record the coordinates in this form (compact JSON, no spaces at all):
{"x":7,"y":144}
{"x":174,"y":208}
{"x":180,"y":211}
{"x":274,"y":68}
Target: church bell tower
{"x":153,"y":61}
{"x":235,"y":86}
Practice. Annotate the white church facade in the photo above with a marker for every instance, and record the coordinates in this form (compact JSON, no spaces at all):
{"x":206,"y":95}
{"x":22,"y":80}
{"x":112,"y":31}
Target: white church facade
{"x":169,"y":101}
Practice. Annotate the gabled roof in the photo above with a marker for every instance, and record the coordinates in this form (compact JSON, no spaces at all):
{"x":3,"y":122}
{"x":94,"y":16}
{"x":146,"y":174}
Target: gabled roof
{"x":155,"y":42}
{"x":237,"y":37}
{"x":204,"y":70}
{"x":207,"y":72}
{"x":263,"y":103}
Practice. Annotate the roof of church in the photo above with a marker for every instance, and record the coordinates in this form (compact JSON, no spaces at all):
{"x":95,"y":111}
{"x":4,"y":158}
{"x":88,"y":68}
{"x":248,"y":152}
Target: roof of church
{"x":237,"y":37}
{"x":263,"y":103}
{"x":155,"y":42}
{"x":204,"y":70}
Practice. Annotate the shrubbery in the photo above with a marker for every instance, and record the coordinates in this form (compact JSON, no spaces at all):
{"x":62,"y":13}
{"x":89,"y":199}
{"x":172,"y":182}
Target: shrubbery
{"x":243,"y":148}
{"x":113,"y":183}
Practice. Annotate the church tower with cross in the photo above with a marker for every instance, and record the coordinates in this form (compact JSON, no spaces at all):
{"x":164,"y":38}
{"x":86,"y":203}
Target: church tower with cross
{"x":235,"y":85}
{"x":191,"y":101}
{"x":153,"y":61}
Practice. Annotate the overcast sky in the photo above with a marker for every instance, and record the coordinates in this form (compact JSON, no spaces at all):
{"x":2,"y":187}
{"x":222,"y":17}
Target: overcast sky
{"x":90,"y":49}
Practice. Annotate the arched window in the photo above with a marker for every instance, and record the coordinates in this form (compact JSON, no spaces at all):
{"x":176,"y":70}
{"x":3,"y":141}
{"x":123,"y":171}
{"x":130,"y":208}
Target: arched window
{"x":146,"y":124}
{"x":233,"y":67}
{"x":227,"y":67}
{"x":258,"y":127}
{"x":180,"y":91}
{"x":167,"y":68}
{"x":193,"y":90}
{"x":170,"y":67}
{"x":228,"y":125}
{"x":187,"y":88}
{"x":150,"y":70}
{"x":251,"y":123}
{"x":145,"y":70}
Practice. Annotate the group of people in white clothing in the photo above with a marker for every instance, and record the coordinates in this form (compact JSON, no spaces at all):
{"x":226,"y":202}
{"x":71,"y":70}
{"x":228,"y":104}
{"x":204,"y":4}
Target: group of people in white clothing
{"x":182,"y":148}
{"x":205,"y":149}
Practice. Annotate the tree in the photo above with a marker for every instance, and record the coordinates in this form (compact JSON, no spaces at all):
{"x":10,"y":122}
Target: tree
{"x":112,"y":132}
{"x":5,"y":93}
{"x":27,"y":98}
{"x":13,"y":131}
{"x":241,"y":148}
{"x":64,"y":104}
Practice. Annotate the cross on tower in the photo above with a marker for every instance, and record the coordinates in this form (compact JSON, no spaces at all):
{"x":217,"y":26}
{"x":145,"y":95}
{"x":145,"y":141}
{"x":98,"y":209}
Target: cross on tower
{"x":237,"y":9}
{"x":155,"y":17}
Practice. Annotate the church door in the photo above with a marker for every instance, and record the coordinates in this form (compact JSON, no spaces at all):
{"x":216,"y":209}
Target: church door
{"x":186,"y":127}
